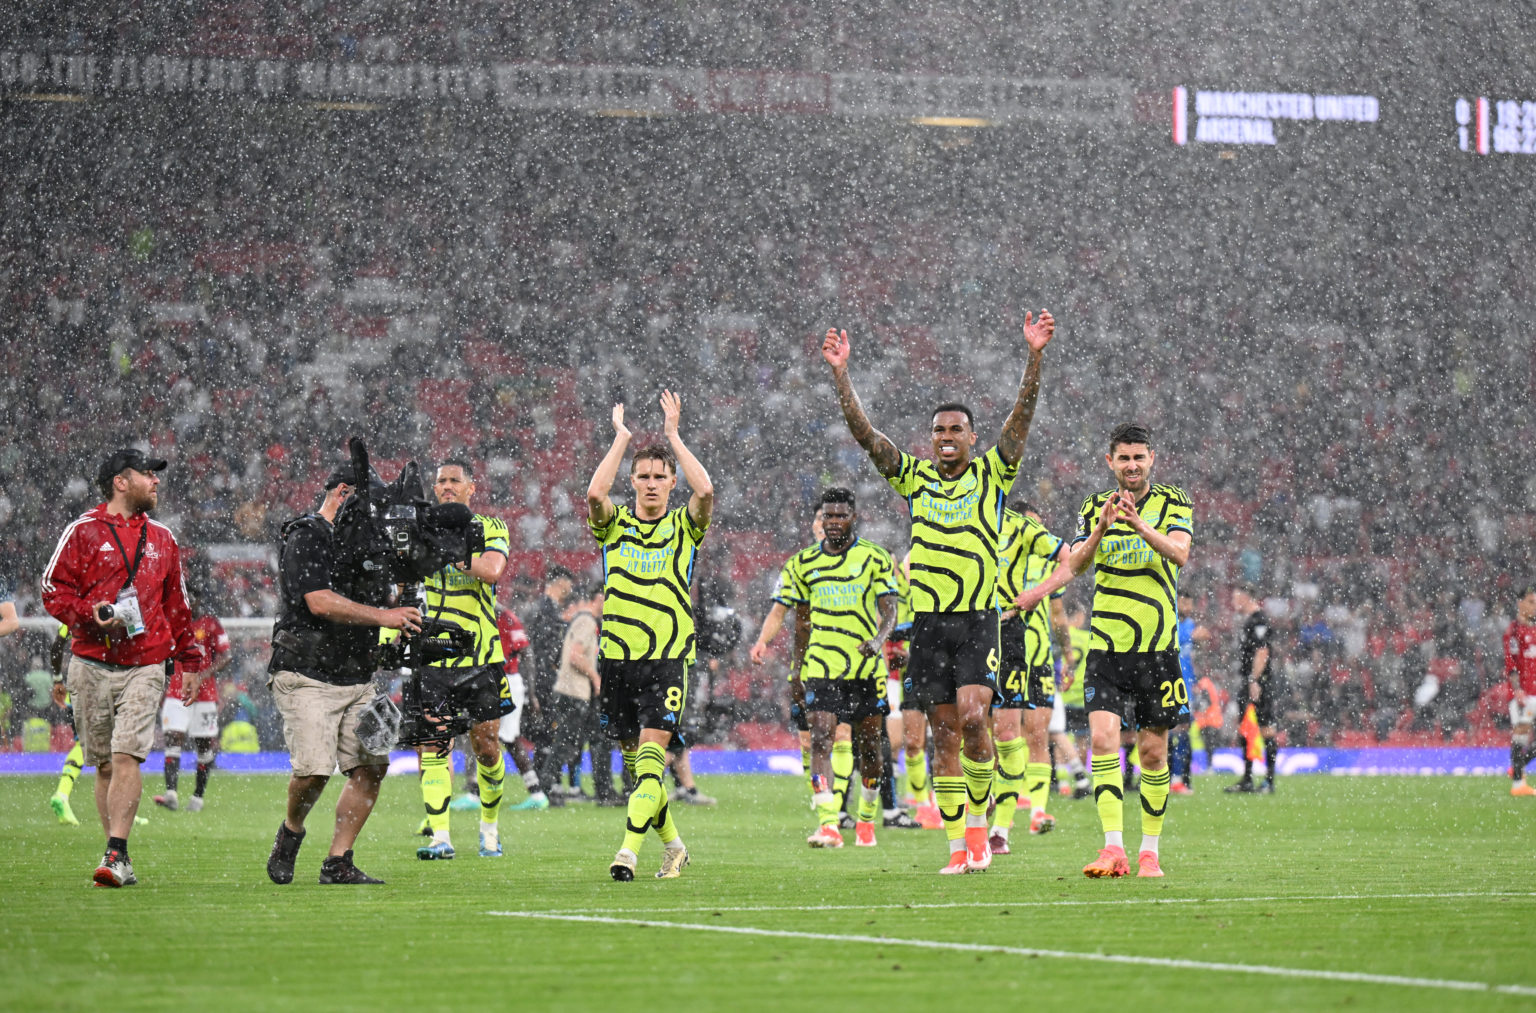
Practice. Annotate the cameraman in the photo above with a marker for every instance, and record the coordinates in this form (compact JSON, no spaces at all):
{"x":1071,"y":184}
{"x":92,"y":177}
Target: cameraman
{"x":475,"y":683}
{"x":322,"y":680}
{"x":115,"y":581}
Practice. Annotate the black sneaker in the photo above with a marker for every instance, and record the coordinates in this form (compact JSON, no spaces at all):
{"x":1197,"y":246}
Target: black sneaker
{"x":285,"y":848}
{"x":339,"y":869}
{"x":1244,"y":787}
{"x":1264,"y":788}
{"x":1082,"y":790}
{"x":844,"y":821}
{"x":902,"y":821}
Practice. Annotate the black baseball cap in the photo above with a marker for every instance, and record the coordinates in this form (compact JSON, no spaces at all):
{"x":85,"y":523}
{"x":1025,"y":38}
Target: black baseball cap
{"x":122,"y":460}
{"x":342,"y":475}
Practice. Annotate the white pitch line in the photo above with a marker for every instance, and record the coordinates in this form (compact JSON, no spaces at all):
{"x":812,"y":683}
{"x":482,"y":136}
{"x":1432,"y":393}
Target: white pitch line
{"x":1023,"y":951}
{"x":1135,"y":901}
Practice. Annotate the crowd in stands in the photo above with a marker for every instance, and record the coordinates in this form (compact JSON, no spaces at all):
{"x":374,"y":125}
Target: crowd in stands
{"x":1337,"y":368}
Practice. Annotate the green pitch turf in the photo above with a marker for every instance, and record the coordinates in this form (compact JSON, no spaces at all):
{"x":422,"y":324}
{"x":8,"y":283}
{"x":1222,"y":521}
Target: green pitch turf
{"x":1418,"y":890}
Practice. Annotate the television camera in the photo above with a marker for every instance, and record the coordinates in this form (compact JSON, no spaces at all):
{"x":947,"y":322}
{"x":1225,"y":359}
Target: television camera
{"x":389,"y":539}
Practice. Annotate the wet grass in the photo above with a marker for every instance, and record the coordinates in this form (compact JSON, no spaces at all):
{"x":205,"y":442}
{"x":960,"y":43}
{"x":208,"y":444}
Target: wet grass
{"x":1415,"y":878}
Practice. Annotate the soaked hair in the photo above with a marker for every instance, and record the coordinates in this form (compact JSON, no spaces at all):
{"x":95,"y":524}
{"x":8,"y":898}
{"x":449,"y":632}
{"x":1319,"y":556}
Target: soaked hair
{"x":1524,"y":590}
{"x":837,"y":494}
{"x":1022,"y":506}
{"x":460,"y":463}
{"x":1129,"y":432}
{"x":956,"y":406}
{"x":655,"y":452}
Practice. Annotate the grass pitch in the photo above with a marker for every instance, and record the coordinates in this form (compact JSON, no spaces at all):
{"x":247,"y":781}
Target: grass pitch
{"x":1360,"y":893}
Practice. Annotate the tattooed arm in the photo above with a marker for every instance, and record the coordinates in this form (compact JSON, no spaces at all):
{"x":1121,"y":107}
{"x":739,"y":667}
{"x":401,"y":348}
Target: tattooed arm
{"x":876,"y":444}
{"x":1010,"y":445}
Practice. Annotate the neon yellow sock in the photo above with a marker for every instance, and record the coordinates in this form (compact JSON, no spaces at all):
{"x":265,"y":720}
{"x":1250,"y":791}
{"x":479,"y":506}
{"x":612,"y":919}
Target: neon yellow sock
{"x":977,"y":775}
{"x":1037,"y":782}
{"x":1154,"y":800}
{"x":826,"y":808}
{"x":666,"y":826}
{"x":648,"y":796}
{"x":1109,"y":792}
{"x":436,"y":790}
{"x":842,"y":772}
{"x":490,"y":781}
{"x":1008,"y":781}
{"x":869,"y":800}
{"x":71,"y":772}
{"x":805,"y":765}
{"x":917,"y":777}
{"x":949,"y":794}
{"x":1133,"y":757}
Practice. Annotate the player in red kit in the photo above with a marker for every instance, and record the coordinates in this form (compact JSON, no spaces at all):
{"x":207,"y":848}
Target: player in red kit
{"x":191,"y":708}
{"x":1520,"y":669}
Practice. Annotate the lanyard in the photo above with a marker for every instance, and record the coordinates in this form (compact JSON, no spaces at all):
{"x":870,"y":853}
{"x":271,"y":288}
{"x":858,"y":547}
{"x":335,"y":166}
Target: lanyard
{"x":133,"y":568}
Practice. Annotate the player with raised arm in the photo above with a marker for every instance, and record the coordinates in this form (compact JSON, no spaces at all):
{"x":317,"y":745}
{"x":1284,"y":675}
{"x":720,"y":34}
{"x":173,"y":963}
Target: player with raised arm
{"x":648,"y":629}
{"x":843,"y":591}
{"x":1520,"y":670}
{"x":1137,"y":537}
{"x":956,"y":504}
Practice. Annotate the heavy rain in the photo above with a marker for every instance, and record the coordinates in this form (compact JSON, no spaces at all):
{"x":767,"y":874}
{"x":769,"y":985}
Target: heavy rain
{"x":1292,"y":241}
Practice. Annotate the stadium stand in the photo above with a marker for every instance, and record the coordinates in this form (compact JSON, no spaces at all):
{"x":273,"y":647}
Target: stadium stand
{"x":1330,"y":353}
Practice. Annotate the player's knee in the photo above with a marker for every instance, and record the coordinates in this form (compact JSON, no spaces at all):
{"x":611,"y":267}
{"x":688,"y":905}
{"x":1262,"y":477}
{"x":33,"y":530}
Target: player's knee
{"x":1522,"y":736}
{"x":205,"y":751}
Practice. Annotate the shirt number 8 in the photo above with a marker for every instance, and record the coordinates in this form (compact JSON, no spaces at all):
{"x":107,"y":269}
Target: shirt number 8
{"x":674,"y":698}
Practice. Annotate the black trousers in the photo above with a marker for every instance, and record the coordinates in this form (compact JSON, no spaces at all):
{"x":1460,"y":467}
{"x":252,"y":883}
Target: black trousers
{"x":566,"y":719}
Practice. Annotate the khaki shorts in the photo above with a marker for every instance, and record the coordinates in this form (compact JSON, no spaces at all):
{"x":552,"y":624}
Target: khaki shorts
{"x":115,"y":708}
{"x":320,"y":724}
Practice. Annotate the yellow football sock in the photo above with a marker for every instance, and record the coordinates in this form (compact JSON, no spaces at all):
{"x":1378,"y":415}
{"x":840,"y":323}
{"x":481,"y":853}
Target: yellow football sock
{"x":436,"y":790}
{"x":917,"y":777}
{"x":1154,"y":800}
{"x":949,"y":794}
{"x":1037,"y":782}
{"x":1008,"y":780}
{"x":648,"y":796}
{"x":977,"y":775}
{"x":1109,"y":792}
{"x":490,"y":781}
{"x":71,"y":772}
{"x":666,"y":826}
{"x":869,"y":800}
{"x":842,"y":772}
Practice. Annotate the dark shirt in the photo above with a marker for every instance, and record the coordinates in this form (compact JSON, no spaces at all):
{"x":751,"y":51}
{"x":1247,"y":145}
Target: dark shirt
{"x":546,"y":632}
{"x":344,"y":653}
{"x":1256,"y":634}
